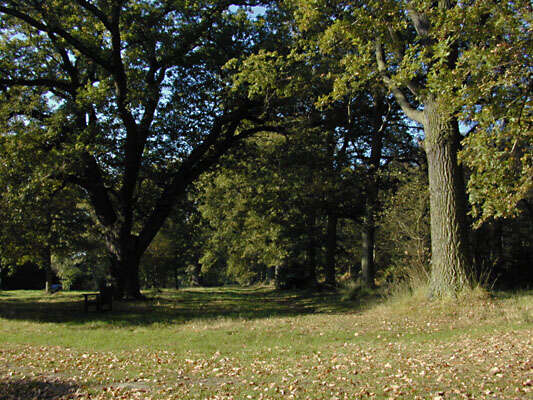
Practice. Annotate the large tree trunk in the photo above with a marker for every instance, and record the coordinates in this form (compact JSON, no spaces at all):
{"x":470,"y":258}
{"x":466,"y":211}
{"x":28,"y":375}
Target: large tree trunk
{"x":132,"y":288}
{"x":125,"y":270}
{"x":125,"y":273}
{"x":449,"y":251}
{"x":449,"y":226}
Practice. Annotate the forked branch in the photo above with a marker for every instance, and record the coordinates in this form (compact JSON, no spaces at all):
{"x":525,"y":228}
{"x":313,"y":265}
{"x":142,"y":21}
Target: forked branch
{"x":402,"y":100}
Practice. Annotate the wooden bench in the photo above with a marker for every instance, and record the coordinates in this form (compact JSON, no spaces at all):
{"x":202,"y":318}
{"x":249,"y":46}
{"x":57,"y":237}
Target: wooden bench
{"x":102,"y":300}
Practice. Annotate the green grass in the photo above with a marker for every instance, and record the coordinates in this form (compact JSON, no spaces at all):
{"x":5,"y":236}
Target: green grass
{"x":223,"y":343}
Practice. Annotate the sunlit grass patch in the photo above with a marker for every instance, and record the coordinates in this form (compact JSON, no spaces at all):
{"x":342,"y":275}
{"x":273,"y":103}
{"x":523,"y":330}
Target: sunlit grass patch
{"x":298,"y":344}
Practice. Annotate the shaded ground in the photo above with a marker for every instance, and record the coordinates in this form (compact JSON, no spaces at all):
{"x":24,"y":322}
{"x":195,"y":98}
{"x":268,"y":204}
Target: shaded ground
{"x":479,"y":348}
{"x":42,"y":388}
{"x":170,"y":306}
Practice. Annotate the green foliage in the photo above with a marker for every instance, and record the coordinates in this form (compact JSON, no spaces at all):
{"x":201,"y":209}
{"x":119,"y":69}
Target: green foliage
{"x":174,"y":253}
{"x":242,"y":205}
{"x":499,"y":110}
{"x":499,"y":155}
{"x":479,"y":75}
{"x":83,"y":268}
{"x":115,"y":112}
{"x":129,"y":102}
{"x":404,"y":230}
{"x":40,"y":216}
{"x":159,"y":261}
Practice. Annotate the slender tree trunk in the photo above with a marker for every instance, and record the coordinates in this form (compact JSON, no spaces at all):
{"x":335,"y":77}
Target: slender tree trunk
{"x":477,"y":246}
{"x":49,"y":281}
{"x":331,"y":230}
{"x":278,"y":279}
{"x":196,"y":279}
{"x":496,"y":249}
{"x":368,"y":268}
{"x":331,"y":248}
{"x":47,"y":254}
{"x":353,"y":271}
{"x":449,"y":226}
{"x":311,"y":248}
{"x":49,"y":273}
{"x":493,"y":265}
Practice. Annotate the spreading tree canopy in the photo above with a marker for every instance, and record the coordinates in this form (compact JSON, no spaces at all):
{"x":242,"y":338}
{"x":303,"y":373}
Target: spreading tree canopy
{"x":126,"y":100}
{"x":132,"y":101}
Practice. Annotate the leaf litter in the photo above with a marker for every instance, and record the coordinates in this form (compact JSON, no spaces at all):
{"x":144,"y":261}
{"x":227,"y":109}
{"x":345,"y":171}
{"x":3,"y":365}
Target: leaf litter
{"x":372,"y":355}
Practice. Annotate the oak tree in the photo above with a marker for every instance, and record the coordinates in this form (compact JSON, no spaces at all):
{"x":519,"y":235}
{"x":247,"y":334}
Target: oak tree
{"x":428,"y":54}
{"x":126,"y":100}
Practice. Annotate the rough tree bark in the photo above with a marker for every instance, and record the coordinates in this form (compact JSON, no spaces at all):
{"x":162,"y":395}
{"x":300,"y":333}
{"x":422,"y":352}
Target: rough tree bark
{"x":449,"y":225}
{"x":125,"y":270}
{"x":450,"y":260}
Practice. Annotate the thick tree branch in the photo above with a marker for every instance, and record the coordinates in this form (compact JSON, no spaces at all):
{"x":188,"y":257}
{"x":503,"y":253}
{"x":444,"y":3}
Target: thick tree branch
{"x":414,"y":88}
{"x":407,"y":108}
{"x":134,"y":144}
{"x":154,"y":79}
{"x":43,"y":82}
{"x":119,"y":73}
{"x":420,"y":22}
{"x":200,"y":160}
{"x":92,"y":181}
{"x":70,"y":69}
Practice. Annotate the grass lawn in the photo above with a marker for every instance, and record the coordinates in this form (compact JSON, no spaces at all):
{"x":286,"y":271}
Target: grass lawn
{"x":225,"y":343}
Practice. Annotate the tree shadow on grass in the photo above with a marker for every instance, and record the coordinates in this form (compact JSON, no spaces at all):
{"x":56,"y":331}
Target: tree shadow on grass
{"x":42,"y":388}
{"x":175,"y":306}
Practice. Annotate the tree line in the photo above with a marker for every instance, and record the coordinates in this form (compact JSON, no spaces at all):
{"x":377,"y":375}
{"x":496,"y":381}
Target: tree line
{"x":303,"y":141}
